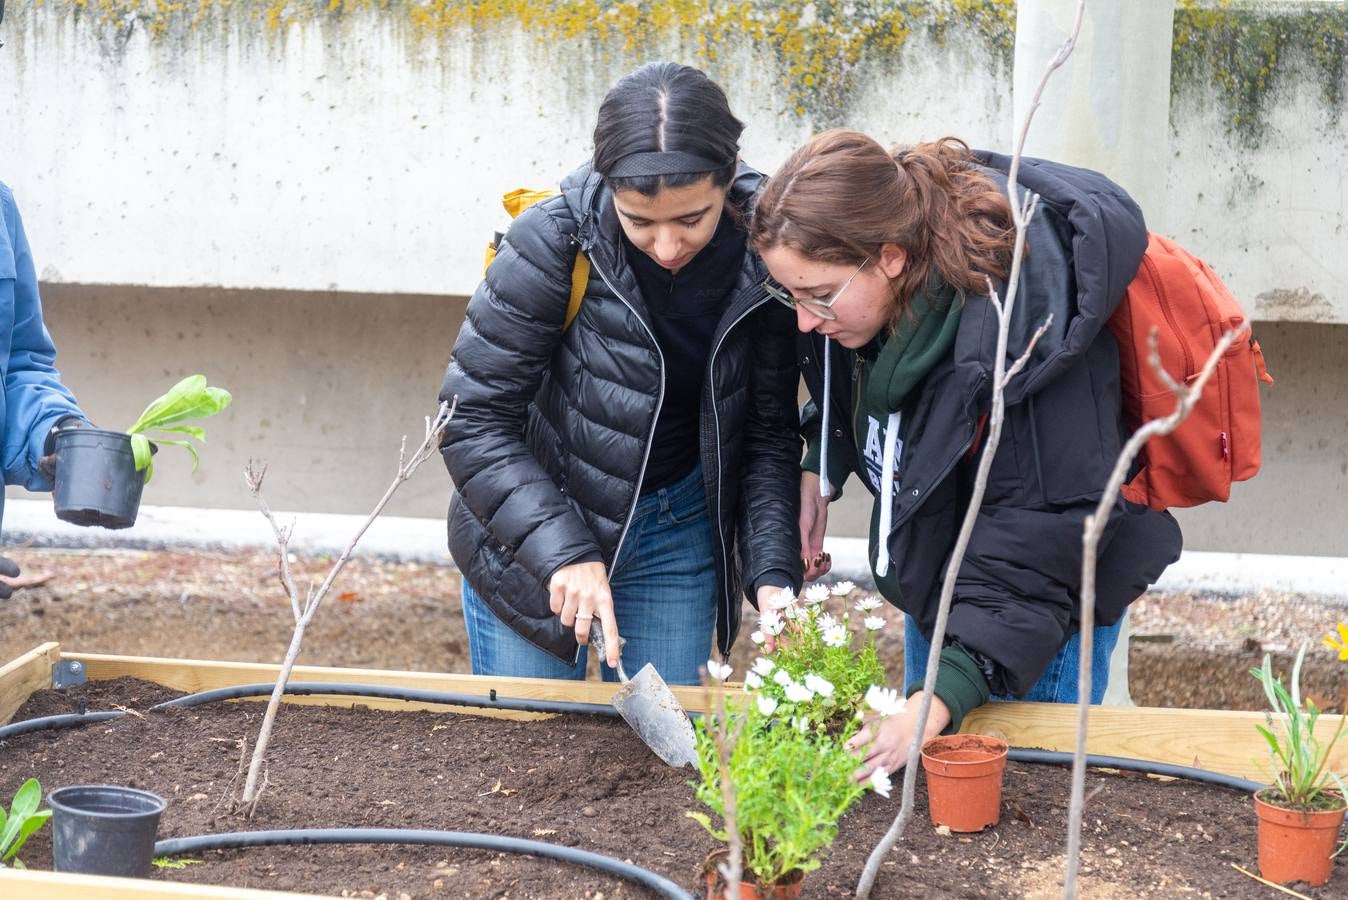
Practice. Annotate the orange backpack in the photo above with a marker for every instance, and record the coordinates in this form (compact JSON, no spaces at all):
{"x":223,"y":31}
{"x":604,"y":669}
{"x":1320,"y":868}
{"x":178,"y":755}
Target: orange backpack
{"x":1176,"y":293}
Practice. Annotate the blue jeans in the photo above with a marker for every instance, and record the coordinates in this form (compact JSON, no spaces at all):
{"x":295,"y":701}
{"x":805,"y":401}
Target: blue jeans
{"x":1057,"y":685}
{"x":664,"y":596}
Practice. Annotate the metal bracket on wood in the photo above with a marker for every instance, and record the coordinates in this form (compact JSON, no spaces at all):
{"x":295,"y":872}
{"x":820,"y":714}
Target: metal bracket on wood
{"x":66,"y":673}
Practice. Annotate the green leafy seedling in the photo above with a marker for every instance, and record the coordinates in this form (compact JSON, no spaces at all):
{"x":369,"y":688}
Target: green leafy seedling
{"x":166,"y":862}
{"x":19,"y":822}
{"x":190,"y":398}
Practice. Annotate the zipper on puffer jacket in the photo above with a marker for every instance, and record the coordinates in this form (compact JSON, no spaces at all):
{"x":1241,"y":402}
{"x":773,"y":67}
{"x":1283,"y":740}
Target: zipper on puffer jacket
{"x":716,"y":425}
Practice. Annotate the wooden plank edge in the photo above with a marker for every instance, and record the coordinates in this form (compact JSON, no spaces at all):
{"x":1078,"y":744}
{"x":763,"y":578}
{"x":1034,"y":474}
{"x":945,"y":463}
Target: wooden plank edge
{"x":33,"y":884}
{"x":25,"y":674}
{"x":1216,"y":740}
{"x":198,"y":675}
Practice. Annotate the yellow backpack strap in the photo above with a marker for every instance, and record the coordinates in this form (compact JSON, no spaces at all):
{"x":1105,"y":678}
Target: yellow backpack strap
{"x":580,"y":280}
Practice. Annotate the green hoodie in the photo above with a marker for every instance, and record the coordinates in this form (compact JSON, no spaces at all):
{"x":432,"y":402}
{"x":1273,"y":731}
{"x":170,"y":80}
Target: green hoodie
{"x":885,"y":376}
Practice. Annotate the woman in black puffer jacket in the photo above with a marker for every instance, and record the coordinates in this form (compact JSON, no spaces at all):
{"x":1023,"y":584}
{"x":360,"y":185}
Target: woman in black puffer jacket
{"x":639,"y":467}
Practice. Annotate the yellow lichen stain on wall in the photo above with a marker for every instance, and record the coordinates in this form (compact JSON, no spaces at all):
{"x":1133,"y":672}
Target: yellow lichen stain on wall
{"x":816,"y":48}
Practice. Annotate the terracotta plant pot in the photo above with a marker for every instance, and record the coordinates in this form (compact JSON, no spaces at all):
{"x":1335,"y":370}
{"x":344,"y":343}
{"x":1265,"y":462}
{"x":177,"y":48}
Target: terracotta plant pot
{"x":1295,"y":845}
{"x":748,"y":890}
{"x":964,"y":780}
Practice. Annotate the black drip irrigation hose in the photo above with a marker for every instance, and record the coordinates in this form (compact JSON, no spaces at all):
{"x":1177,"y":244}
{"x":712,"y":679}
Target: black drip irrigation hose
{"x":1057,"y":758}
{"x":52,"y":723}
{"x":469,"y":840}
{"x":383,"y":692}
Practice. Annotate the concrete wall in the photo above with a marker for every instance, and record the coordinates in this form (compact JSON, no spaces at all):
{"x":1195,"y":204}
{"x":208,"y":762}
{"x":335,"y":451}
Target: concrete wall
{"x":300,"y":196}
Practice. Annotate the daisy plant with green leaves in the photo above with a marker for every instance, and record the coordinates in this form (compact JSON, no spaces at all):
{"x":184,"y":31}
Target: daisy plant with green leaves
{"x":1302,"y":778}
{"x":824,"y":660}
{"x":791,"y":781}
{"x":189,"y":399}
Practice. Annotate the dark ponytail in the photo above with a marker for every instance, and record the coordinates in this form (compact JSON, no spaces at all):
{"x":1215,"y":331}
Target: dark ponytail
{"x":666,"y":107}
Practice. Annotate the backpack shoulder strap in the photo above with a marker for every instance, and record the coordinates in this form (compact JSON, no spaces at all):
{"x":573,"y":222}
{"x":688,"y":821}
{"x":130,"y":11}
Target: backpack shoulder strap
{"x":580,"y":280}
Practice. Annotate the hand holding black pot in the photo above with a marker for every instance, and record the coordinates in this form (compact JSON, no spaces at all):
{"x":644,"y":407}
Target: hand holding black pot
{"x":47,"y":464}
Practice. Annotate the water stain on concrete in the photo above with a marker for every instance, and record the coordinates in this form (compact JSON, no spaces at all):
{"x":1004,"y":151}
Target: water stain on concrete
{"x":1295,"y":305}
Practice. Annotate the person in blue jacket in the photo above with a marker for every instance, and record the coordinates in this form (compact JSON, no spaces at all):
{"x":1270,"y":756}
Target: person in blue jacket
{"x":34,"y":403}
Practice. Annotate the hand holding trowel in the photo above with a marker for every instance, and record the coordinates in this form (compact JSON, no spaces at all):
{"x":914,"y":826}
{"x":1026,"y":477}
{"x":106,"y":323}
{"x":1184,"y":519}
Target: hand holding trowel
{"x":651,"y":708}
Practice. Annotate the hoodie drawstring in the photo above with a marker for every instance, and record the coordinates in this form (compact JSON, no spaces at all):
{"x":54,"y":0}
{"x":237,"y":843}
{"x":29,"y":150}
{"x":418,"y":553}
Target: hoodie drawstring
{"x":825,"y":487}
{"x":886,"y":496}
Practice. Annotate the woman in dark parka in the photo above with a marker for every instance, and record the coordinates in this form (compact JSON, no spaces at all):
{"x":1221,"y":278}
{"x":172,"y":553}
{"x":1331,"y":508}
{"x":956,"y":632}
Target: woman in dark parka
{"x":885,"y":257}
{"x":639,"y":467}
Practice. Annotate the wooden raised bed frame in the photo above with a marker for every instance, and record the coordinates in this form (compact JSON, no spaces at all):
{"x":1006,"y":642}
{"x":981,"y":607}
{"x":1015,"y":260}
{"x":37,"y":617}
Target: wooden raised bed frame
{"x":1210,"y":739}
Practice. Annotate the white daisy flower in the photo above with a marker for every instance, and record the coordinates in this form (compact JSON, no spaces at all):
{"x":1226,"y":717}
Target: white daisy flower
{"x":880,"y":782}
{"x":798,"y":693}
{"x":783,"y":678}
{"x":821,"y":686}
{"x":836,"y":636}
{"x":766,"y":705}
{"x":719,"y":671}
{"x":764,"y":666}
{"x":885,"y":701}
{"x":866,"y":604}
{"x":783,"y":598}
{"x":771,"y":622}
{"x":874,"y":623}
{"x":843,"y":588}
{"x":752,"y":681}
{"x":816,"y":593}
{"x":758,"y":638}
{"x":825,"y":622}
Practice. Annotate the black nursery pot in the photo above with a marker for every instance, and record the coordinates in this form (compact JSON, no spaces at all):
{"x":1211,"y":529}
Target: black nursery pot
{"x":101,"y":829}
{"x":96,"y":478}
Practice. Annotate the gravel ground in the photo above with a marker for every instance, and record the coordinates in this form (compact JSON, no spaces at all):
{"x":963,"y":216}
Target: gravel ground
{"x":1189,"y":650}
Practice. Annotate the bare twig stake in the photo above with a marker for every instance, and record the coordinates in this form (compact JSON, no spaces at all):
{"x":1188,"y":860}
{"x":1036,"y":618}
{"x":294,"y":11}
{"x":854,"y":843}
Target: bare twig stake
{"x":1022,"y":210}
{"x":725,"y":739}
{"x":304,"y":612}
{"x":1185,"y":396}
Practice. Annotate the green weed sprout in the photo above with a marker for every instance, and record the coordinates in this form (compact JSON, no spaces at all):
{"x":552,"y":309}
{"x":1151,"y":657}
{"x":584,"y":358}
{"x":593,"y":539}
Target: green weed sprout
{"x":188,"y":399}
{"x":19,"y":822}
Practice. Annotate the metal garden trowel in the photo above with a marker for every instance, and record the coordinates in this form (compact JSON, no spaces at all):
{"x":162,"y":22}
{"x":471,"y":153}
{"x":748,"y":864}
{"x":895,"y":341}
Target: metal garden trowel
{"x":652,"y":710}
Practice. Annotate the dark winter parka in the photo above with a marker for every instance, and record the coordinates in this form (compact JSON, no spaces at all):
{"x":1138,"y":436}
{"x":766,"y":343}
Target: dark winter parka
{"x":1018,"y":587}
{"x":551,"y":438}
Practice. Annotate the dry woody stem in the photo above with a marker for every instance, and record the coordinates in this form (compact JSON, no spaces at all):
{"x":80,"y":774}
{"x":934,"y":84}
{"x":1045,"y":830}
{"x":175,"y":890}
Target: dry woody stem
{"x":304,"y":612}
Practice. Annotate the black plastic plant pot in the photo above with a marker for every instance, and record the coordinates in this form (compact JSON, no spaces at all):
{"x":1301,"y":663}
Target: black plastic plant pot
{"x":96,"y":478}
{"x":101,"y":829}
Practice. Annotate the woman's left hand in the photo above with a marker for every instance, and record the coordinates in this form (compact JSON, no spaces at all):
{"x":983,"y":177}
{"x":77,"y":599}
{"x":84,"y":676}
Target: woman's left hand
{"x":889,"y":739}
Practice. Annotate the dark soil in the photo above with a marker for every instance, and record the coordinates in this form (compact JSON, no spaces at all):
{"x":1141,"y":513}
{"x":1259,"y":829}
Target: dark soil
{"x":587,"y":783}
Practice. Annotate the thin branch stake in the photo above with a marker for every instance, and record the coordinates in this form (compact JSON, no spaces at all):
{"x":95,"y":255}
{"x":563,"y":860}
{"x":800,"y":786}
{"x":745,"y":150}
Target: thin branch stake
{"x":1186,"y":396}
{"x":406,"y":466}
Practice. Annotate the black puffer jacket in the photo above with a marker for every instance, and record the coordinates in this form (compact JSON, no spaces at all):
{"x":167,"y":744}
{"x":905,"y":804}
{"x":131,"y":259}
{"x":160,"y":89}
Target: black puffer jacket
{"x":550,"y":441}
{"x":1019,"y":586}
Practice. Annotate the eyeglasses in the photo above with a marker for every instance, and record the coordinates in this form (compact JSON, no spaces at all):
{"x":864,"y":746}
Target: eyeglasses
{"x":821,"y":308}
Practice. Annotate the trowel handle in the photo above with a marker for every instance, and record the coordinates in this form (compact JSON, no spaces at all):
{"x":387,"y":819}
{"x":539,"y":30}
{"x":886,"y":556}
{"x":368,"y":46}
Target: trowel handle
{"x":597,"y":642}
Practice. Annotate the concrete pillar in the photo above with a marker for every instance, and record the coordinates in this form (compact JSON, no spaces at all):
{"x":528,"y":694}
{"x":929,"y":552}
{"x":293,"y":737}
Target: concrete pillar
{"x":1107,"y":108}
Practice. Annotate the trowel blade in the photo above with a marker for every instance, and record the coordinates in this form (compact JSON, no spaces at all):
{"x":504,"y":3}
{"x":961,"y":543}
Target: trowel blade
{"x":655,"y":714}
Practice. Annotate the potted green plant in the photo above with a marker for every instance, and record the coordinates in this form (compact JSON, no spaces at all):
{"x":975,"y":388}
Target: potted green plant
{"x":778,"y":760}
{"x":791,"y":785}
{"x":19,"y":822}
{"x":100,"y":474}
{"x":1301,"y":813}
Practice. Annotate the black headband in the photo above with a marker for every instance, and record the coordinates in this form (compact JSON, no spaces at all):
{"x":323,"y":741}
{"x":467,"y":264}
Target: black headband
{"x":662,"y":162}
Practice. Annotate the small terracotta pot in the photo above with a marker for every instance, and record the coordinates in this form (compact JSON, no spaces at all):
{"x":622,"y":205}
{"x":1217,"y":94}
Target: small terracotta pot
{"x":1295,"y":845}
{"x":748,"y":890}
{"x":964,"y":780}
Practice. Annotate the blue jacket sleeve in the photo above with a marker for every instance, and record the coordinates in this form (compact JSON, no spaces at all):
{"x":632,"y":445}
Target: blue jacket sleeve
{"x":34,"y":397}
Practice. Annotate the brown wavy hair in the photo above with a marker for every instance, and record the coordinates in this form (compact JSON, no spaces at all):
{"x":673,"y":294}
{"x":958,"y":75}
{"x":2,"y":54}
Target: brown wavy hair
{"x":842,"y":196}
